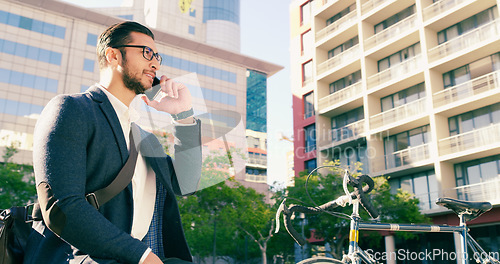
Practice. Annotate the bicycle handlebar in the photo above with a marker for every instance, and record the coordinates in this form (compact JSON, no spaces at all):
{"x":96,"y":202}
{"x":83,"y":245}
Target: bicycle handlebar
{"x":359,"y":192}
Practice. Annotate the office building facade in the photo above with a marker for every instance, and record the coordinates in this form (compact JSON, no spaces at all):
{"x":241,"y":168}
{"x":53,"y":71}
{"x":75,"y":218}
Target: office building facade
{"x":48,"y":48}
{"x":410,"y":89}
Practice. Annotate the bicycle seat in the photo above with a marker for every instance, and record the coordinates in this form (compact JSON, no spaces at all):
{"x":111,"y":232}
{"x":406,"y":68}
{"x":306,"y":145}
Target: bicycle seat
{"x":470,"y":210}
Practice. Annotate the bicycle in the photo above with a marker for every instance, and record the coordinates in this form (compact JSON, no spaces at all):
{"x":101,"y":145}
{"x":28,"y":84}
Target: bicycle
{"x":362,"y":185}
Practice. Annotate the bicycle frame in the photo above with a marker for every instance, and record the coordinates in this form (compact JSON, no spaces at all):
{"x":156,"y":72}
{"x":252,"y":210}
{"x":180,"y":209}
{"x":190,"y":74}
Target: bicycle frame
{"x":358,"y":255}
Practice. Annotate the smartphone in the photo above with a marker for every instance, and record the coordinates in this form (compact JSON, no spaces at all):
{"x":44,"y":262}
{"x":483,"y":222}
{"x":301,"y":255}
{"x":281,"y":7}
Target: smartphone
{"x":155,"y":89}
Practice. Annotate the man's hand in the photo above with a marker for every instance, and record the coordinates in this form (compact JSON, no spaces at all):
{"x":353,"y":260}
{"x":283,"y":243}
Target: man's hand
{"x":177,"y":99}
{"x":152,"y":259}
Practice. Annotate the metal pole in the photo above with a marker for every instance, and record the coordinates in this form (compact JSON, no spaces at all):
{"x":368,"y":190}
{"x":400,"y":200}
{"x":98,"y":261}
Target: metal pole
{"x":215,"y":240}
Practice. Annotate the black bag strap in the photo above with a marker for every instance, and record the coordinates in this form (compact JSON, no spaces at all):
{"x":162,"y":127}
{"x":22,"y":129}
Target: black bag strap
{"x":124,"y":177}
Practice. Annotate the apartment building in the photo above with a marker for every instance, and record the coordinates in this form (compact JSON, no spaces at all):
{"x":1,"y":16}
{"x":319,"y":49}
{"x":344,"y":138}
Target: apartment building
{"x":411,"y":89}
{"x":48,"y":47}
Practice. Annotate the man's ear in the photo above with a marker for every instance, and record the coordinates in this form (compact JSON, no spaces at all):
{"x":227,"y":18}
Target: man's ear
{"x":113,"y":56}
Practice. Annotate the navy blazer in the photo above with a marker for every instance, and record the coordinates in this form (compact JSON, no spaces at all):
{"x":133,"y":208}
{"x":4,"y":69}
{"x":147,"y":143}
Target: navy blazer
{"x":79,"y":148}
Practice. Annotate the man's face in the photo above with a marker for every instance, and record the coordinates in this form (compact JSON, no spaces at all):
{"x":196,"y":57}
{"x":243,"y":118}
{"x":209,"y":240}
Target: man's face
{"x":138,"y":73}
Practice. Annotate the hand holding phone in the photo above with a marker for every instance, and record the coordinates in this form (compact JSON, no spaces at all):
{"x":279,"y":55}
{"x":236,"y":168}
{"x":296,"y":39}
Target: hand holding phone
{"x":155,"y":89}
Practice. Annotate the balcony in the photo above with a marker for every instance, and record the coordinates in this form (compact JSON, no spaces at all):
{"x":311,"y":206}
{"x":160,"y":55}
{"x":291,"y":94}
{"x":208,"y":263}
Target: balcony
{"x":410,"y":66}
{"x":339,"y":96}
{"x":483,"y":191}
{"x":256,"y":178}
{"x":257,"y":159}
{"x":368,"y":6}
{"x":440,"y":7}
{"x":484,"y":33}
{"x":307,"y":81}
{"x":468,"y":89}
{"x":344,"y":57}
{"x":408,"y":156}
{"x":349,"y":132}
{"x":393,"y":31}
{"x":479,"y":138}
{"x":398,"y":113}
{"x":344,"y":22}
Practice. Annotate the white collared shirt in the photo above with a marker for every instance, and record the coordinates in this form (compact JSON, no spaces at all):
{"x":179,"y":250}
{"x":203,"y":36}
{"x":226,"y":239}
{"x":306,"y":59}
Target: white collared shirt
{"x":144,"y":179}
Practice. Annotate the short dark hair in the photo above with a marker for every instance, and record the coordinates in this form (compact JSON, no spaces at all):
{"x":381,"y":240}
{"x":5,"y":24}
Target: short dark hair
{"x":118,"y":34}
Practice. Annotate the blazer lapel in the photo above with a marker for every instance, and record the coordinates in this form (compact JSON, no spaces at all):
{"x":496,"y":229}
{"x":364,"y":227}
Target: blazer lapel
{"x":100,"y":97}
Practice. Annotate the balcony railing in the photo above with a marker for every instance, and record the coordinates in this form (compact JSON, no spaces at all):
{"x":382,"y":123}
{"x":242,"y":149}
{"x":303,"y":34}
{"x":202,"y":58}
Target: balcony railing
{"x":256,"y":178}
{"x":473,"y":139}
{"x":486,"y":32}
{"x":366,"y":7}
{"x":483,"y":191}
{"x":344,"y":22}
{"x":321,"y":3}
{"x":307,"y":81}
{"x":349,"y":132}
{"x":440,"y":7}
{"x":347,"y":93}
{"x":259,"y":160}
{"x":401,"y":158}
{"x":395,"y":30}
{"x":466,"y":90}
{"x":398,"y":113}
{"x":397,"y":71}
{"x":346,"y":56}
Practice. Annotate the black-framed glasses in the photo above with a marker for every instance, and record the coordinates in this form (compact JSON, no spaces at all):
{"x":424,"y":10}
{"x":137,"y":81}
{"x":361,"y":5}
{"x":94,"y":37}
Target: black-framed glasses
{"x":147,"y":52}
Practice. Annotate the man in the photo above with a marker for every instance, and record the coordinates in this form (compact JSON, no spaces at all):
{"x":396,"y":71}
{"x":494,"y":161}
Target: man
{"x":82,"y":142}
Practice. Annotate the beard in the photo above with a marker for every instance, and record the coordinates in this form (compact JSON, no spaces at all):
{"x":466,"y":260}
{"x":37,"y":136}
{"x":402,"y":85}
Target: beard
{"x":132,"y":82}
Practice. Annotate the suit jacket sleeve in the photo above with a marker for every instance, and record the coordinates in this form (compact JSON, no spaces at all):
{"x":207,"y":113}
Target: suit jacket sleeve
{"x":60,"y":151}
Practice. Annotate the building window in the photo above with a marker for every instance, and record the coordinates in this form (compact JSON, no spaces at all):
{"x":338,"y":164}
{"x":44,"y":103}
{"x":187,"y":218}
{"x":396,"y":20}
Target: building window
{"x":343,"y":47}
{"x":398,"y":57}
{"x":192,"y":12}
{"x":28,"y":80}
{"x":127,"y":17}
{"x":306,"y":41}
{"x":340,"y":124}
{"x":88,"y":65}
{"x":310,"y":165}
{"x":424,"y":185}
{"x":310,"y":137}
{"x":473,"y":70}
{"x":30,"y":52}
{"x":341,"y":14}
{"x":403,"y":97}
{"x":32,"y":24}
{"x":191,"y":30}
{"x":393,"y":146}
{"x":473,"y":120}
{"x":305,"y":13}
{"x":467,"y":25}
{"x":345,"y":82}
{"x":394,"y":19}
{"x":308,"y":105}
{"x":91,"y":39}
{"x":477,"y":172}
{"x":227,"y":10}
{"x":307,"y":73}
{"x":349,"y":158}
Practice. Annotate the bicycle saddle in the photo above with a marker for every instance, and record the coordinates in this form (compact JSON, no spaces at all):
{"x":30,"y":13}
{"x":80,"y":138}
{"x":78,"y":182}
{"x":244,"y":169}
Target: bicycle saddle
{"x":469,"y":210}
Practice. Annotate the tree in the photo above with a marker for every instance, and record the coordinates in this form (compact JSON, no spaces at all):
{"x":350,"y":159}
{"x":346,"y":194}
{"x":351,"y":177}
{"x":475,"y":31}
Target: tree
{"x":400,"y":207}
{"x":16,"y":181}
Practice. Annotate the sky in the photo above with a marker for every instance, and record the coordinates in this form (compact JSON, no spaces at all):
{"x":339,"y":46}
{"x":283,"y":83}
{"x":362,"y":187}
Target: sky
{"x":265,"y":35}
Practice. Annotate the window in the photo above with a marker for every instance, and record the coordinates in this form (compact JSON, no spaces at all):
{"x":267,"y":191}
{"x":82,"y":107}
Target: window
{"x":340,"y":124}
{"x":88,"y":65}
{"x":308,"y":105}
{"x":30,"y":52}
{"x":467,"y":25}
{"x":341,"y":14}
{"x":310,"y":165}
{"x":127,"y":17}
{"x":398,"y":57}
{"x":403,"y":97}
{"x":394,"y":19}
{"x":192,"y":12}
{"x":475,"y":172}
{"x":393,"y":145}
{"x":424,"y":185}
{"x":349,"y":157}
{"x":310,"y":138}
{"x":28,"y":80}
{"x":227,"y":10}
{"x":32,"y":24}
{"x":306,"y":41}
{"x":91,"y":39}
{"x":473,"y":120}
{"x":191,"y":30}
{"x":307,"y":72}
{"x":305,"y":13}
{"x":343,"y":47}
{"x":345,"y":82}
